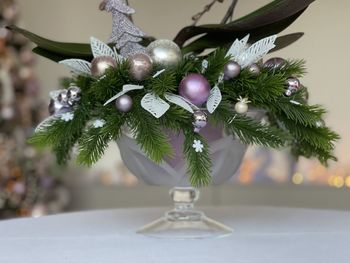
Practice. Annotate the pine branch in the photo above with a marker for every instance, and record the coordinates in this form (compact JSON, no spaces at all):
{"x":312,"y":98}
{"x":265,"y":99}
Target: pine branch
{"x":248,"y":130}
{"x":198,"y":164}
{"x":166,"y":82}
{"x":149,"y":135}
{"x":94,"y":142}
{"x":216,"y":62}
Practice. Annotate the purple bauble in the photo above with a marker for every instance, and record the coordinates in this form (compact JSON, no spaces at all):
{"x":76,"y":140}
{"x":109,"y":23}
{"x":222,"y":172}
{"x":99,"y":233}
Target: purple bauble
{"x":232,"y":70}
{"x":124,"y":103}
{"x":195,"y":88}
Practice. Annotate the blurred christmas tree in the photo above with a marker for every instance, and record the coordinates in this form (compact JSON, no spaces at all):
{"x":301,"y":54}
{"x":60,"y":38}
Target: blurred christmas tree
{"x":27,"y":184}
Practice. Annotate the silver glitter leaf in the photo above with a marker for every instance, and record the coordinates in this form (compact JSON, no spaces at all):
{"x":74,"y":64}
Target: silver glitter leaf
{"x":180,"y":101}
{"x":100,"y":49}
{"x":154,"y":105}
{"x":214,"y":99}
{"x":79,"y":66}
{"x":118,"y":5}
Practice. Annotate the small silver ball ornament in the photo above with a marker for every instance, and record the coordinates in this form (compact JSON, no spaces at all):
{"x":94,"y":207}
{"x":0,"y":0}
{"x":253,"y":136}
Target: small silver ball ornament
{"x":99,"y":65}
{"x":293,"y":83}
{"x":254,"y":69}
{"x":140,"y":66}
{"x":200,"y":120}
{"x":124,"y":103}
{"x":73,"y":94}
{"x":164,"y":52}
{"x":232,"y":70}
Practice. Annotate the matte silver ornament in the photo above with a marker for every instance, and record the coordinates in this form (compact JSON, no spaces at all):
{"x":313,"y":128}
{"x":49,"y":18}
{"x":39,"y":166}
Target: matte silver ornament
{"x":200,"y":120}
{"x":293,"y":83}
{"x":73,"y":94}
{"x":254,"y":69}
{"x":241,"y":106}
{"x":164,"y":52}
{"x":274,"y":63}
{"x":124,"y":103}
{"x":99,"y":65}
{"x":232,"y":70}
{"x":140,"y":66}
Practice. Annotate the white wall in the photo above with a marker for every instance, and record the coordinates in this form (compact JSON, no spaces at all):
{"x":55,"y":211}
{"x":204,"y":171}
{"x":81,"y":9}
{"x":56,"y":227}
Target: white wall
{"x":325,"y":46}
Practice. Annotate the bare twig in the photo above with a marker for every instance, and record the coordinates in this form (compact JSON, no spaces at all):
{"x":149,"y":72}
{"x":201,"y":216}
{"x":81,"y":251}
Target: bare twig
{"x":206,"y":9}
{"x":229,"y":13}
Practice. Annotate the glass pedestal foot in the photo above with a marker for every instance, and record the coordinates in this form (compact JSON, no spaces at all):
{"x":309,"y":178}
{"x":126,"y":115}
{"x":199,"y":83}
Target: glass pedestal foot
{"x":184,"y":222}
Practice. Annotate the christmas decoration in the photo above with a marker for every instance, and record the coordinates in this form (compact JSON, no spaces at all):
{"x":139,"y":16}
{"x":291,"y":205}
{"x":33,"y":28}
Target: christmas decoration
{"x":198,"y":146}
{"x":274,"y":63}
{"x":182,"y":86}
{"x":195,"y":88}
{"x":241,"y":106}
{"x":124,"y":103}
{"x":293,"y":84}
{"x":200,"y":120}
{"x":254,"y":69}
{"x":164,"y":52}
{"x":140,"y":66}
{"x":124,"y":33}
{"x":29,"y":178}
{"x":232,"y":70}
{"x":100,"y":64}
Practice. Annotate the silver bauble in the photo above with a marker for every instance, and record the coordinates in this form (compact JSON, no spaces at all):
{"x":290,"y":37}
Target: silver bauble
{"x":62,"y":98}
{"x":73,"y":94}
{"x":232,"y":69}
{"x":124,"y":103}
{"x":293,"y":84}
{"x":164,"y":52}
{"x":140,"y":66}
{"x":200,"y":120}
{"x":99,"y":65}
{"x":254,"y":69}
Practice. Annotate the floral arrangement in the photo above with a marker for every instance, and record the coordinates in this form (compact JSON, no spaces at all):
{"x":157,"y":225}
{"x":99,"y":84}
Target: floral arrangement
{"x":146,"y":86}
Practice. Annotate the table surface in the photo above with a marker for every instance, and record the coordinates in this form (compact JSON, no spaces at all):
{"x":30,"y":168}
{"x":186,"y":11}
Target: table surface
{"x":262,"y":234}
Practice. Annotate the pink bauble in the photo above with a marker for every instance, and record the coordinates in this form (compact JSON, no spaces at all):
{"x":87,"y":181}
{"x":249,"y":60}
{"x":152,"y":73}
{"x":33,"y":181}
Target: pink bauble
{"x":195,"y":88}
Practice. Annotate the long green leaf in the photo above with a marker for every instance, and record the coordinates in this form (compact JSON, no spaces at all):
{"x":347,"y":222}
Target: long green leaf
{"x":271,"y":13}
{"x":214,"y":40}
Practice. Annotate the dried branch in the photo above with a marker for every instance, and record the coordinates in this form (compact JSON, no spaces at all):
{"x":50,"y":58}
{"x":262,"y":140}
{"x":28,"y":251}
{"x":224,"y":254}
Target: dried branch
{"x":229,"y":14}
{"x":206,"y":9}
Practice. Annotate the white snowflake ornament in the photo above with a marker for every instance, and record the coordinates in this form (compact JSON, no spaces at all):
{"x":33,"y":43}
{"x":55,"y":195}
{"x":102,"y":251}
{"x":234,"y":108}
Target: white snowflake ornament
{"x":68,"y":116}
{"x":99,"y":124}
{"x":198,"y":146}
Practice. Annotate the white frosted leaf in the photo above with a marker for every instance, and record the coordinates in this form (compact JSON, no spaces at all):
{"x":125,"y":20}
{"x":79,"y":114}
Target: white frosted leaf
{"x":78,"y":66}
{"x":130,"y":87}
{"x":42,"y":127}
{"x":238,"y":47}
{"x":99,"y":48}
{"x":214,"y":99}
{"x":154,"y":105}
{"x":257,"y":51}
{"x":126,"y":89}
{"x":179,"y":101}
{"x":158,"y":73}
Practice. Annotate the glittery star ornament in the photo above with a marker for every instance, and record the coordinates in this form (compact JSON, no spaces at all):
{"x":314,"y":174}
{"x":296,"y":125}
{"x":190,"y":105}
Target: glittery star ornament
{"x":125,"y":35}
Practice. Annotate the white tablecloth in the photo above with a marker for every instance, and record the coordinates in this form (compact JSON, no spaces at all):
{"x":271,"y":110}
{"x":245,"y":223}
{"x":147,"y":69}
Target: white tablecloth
{"x":262,"y":234}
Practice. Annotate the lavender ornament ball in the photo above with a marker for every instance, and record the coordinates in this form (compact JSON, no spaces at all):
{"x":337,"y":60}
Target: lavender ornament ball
{"x":124,"y":103}
{"x":232,"y":69}
{"x":195,"y":88}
